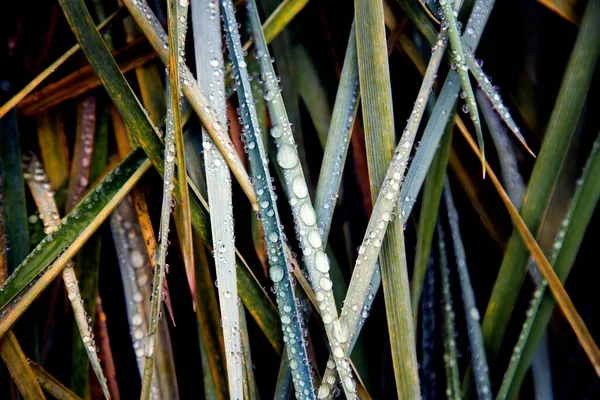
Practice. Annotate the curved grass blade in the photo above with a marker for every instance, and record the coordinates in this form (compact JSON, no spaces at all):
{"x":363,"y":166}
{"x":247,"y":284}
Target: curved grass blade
{"x":177,"y":15}
{"x":568,"y":106}
{"x":66,"y":239}
{"x":6,"y":107}
{"x":430,"y":204}
{"x":443,"y":107}
{"x":44,"y":200}
{"x":450,"y":359}
{"x":315,"y":259}
{"x":556,"y":287}
{"x":51,"y":385}
{"x":461,"y":67}
{"x":494,"y":97}
{"x":479,"y":361}
{"x":279,"y":19}
{"x":565,"y":249}
{"x":148,"y":136}
{"x":209,"y":69}
{"x":379,"y":136}
{"x":291,"y":317}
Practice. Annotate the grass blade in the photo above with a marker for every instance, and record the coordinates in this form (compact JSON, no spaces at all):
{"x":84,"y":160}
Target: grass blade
{"x":564,"y":251}
{"x":338,"y":138}
{"x":459,"y":64}
{"x":10,"y":350}
{"x":290,"y":315}
{"x":51,"y":385}
{"x":209,"y":67}
{"x":19,"y":369}
{"x":37,"y":181}
{"x":479,"y":361}
{"x":450,"y":359}
{"x":442,"y":110}
{"x":379,"y":134}
{"x":177,"y":15}
{"x":561,"y":126}
{"x":494,"y":97}
{"x":54,"y":150}
{"x":315,"y":259}
{"x":136,"y":267}
{"x":430,"y":203}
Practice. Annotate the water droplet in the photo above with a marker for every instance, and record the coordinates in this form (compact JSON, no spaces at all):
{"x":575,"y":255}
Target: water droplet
{"x":314,"y":238}
{"x":307,"y":214}
{"x":276,"y":273}
{"x":287,"y":156}
{"x":322,"y":262}
{"x":299,"y":187}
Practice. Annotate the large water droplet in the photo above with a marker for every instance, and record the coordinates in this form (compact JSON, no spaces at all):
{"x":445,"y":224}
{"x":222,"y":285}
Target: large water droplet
{"x":276,"y":273}
{"x":299,"y":187}
{"x":287,"y":157}
{"x":307,"y":214}
{"x":322,"y":262}
{"x":314,"y":238}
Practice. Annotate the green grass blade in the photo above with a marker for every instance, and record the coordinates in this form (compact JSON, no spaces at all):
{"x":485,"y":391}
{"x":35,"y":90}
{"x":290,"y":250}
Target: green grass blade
{"x":177,"y":14}
{"x":66,"y":239}
{"x":443,"y":107}
{"x":511,"y":177}
{"x":11,"y":351}
{"x":311,"y":90}
{"x":159,"y":273}
{"x":494,"y":97}
{"x":280,"y":18}
{"x":209,"y":67}
{"x":51,"y":385}
{"x":250,"y":388}
{"x":565,"y":249}
{"x":430,"y":204}
{"x":450,"y":359}
{"x":479,"y":360}
{"x":460,"y":66}
{"x":561,"y":126}
{"x":338,"y":138}
{"x":16,"y":227}
{"x":379,"y":135}
{"x":37,"y":182}
{"x":314,"y":257}
{"x":290,"y":315}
